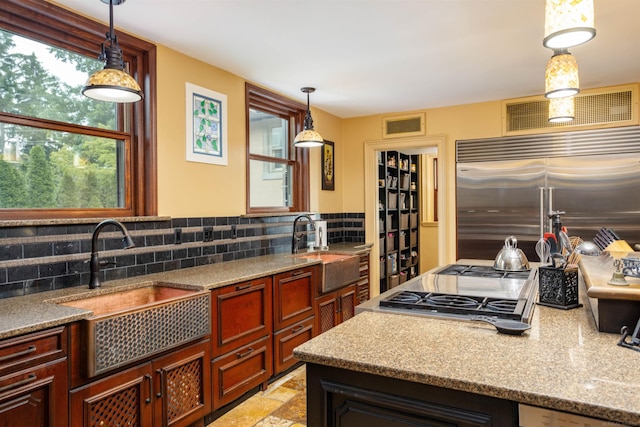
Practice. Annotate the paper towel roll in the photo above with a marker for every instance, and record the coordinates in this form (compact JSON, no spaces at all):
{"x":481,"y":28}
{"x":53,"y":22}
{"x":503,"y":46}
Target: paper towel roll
{"x":321,"y":235}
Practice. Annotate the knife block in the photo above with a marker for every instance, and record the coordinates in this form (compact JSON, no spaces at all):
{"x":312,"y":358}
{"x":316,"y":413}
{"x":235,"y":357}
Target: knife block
{"x":558,"y":288}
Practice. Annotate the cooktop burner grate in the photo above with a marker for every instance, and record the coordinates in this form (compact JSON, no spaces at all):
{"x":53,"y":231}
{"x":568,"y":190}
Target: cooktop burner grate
{"x":454,"y":304}
{"x":481,"y":271}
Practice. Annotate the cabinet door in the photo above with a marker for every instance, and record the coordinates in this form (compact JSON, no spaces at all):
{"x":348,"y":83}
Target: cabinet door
{"x":241,"y":314}
{"x":346,"y":303}
{"x":241,"y":370}
{"x":35,"y":397}
{"x":122,"y":399}
{"x":182,"y":386}
{"x":286,"y":340}
{"x":293,"y":294}
{"x":326,"y":312}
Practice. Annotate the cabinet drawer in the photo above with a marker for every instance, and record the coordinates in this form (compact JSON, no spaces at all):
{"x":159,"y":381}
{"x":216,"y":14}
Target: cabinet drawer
{"x":32,"y":349}
{"x":293,"y":295}
{"x":241,"y":370}
{"x":241,"y":314}
{"x":36,"y":396}
{"x":286,"y":340}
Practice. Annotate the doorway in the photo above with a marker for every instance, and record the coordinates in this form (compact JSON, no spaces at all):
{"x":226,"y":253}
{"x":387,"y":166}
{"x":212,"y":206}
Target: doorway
{"x":432,"y":144}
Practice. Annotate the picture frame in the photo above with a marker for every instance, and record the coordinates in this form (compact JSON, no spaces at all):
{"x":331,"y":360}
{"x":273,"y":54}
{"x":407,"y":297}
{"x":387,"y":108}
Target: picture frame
{"x":206,"y":125}
{"x":328,"y":166}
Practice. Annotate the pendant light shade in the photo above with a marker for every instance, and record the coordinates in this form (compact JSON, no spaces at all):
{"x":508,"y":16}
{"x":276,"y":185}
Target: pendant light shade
{"x":568,"y":23}
{"x":112,"y":83}
{"x":561,"y":109}
{"x":308,"y":137}
{"x":561,"y":76}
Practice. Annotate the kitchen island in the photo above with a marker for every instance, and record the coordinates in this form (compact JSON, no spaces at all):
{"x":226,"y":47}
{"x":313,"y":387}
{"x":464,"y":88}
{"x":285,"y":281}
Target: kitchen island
{"x":369,"y":368}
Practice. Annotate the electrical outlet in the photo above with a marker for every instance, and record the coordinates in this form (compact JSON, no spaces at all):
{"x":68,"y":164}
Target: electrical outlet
{"x":177,"y":235}
{"x":207,"y":234}
{"x":234,"y":231}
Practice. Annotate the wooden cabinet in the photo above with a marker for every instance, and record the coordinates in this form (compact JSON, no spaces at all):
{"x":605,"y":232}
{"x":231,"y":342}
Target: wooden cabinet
{"x":293,"y":294}
{"x":242,"y":347}
{"x":33,"y":380}
{"x":239,"y":371}
{"x":334,"y":308}
{"x":293,"y":299}
{"x":285,"y":340}
{"x":338,"y":397}
{"x":241,"y":314}
{"x":362,"y":285}
{"x":172,"y":390}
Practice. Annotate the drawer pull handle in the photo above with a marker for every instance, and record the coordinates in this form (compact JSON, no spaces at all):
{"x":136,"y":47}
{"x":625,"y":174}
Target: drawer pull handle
{"x":246,"y":353}
{"x":30,"y":378}
{"x":243,"y":287}
{"x":297,"y":329}
{"x":161,"y":373}
{"x":298,"y":272}
{"x":29,"y":350}
{"x":148,"y":378}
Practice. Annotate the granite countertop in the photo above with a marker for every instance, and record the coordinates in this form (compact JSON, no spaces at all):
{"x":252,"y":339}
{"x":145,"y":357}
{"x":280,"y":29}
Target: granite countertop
{"x":562,"y":362}
{"x":19,"y":315}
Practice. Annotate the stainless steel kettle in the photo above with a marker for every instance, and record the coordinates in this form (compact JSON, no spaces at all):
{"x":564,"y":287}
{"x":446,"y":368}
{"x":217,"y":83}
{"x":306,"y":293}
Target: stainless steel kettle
{"x":510,"y":258}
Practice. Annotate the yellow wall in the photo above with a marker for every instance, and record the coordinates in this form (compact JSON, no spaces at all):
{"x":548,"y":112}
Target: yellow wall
{"x":197,"y":189}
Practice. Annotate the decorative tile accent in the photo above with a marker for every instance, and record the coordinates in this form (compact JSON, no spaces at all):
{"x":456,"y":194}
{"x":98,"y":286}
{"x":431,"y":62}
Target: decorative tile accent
{"x":52,"y":255}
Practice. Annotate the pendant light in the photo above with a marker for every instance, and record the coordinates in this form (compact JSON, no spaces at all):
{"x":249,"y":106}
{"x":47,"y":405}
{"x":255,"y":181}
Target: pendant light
{"x":308,"y":137}
{"x":561,"y":109}
{"x":561,"y":76}
{"x":112,"y":83}
{"x":568,"y":23}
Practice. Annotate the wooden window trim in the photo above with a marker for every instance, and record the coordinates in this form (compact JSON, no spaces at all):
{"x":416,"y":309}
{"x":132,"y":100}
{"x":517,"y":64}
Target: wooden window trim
{"x":54,"y":25}
{"x":264,"y":100}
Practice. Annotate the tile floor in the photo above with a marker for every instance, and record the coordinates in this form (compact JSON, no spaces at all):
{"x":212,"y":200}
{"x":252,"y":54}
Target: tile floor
{"x":282,"y":404}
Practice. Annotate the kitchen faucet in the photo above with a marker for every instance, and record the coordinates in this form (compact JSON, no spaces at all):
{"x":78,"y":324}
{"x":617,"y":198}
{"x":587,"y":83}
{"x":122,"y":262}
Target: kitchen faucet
{"x":95,"y":263}
{"x":295,"y":238}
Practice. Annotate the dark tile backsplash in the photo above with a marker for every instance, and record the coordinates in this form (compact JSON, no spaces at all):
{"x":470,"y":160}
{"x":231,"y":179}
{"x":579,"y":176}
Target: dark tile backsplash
{"x":41,"y":258}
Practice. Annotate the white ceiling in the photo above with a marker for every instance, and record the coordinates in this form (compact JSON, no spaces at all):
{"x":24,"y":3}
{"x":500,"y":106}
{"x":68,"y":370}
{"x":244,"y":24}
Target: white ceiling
{"x":379,"y":56}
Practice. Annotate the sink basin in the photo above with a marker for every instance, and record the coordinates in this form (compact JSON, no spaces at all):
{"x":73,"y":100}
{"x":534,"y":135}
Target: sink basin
{"x":129,"y":299}
{"x":135,"y":324}
{"x":338,"y":270}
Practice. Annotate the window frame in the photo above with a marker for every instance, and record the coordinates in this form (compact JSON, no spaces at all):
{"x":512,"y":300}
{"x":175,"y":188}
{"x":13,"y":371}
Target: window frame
{"x":53,"y":25}
{"x":261,"y":99}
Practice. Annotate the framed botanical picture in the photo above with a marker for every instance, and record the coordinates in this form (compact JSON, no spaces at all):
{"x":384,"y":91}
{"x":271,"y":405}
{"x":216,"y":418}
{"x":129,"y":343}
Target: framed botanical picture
{"x":206,"y":139}
{"x":328,"y":166}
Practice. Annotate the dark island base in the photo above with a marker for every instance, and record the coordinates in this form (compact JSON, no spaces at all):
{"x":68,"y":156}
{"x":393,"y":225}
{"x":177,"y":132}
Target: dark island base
{"x":342,"y":398}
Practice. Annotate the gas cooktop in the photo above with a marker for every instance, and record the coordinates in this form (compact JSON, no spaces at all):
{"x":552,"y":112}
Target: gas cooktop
{"x":461,"y":291}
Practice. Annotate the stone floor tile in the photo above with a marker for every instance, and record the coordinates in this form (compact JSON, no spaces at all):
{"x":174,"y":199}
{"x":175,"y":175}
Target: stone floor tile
{"x":295,"y":409}
{"x":248,"y":413}
{"x":271,"y":421}
{"x":282,"y":394}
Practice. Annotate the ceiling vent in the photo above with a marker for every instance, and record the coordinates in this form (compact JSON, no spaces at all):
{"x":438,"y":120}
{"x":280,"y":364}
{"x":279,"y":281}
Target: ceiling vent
{"x":606,"y":107}
{"x":403,"y":126}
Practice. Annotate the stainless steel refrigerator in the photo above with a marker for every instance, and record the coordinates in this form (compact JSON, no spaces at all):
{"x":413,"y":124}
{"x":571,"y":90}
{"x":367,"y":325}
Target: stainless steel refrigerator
{"x":595,"y":184}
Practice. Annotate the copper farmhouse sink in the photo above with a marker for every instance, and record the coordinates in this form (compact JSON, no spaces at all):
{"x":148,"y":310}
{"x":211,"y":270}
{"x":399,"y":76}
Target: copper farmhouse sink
{"x":134,"y":324}
{"x":338,"y":270}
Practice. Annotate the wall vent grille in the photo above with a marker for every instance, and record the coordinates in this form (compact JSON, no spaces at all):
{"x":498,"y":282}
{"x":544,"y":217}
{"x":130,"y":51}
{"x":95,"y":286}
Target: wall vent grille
{"x":565,"y":144}
{"x":403,"y":126}
{"x":609,"y":107}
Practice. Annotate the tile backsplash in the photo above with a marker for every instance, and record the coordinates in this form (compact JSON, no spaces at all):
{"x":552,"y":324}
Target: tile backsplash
{"x":44,"y":256}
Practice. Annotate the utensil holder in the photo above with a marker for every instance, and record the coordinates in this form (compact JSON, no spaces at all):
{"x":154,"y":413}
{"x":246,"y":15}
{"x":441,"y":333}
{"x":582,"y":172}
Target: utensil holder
{"x":558,"y":288}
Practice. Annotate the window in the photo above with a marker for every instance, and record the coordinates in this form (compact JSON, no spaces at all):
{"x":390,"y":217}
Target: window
{"x":277,"y":173}
{"x":61,"y":153}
